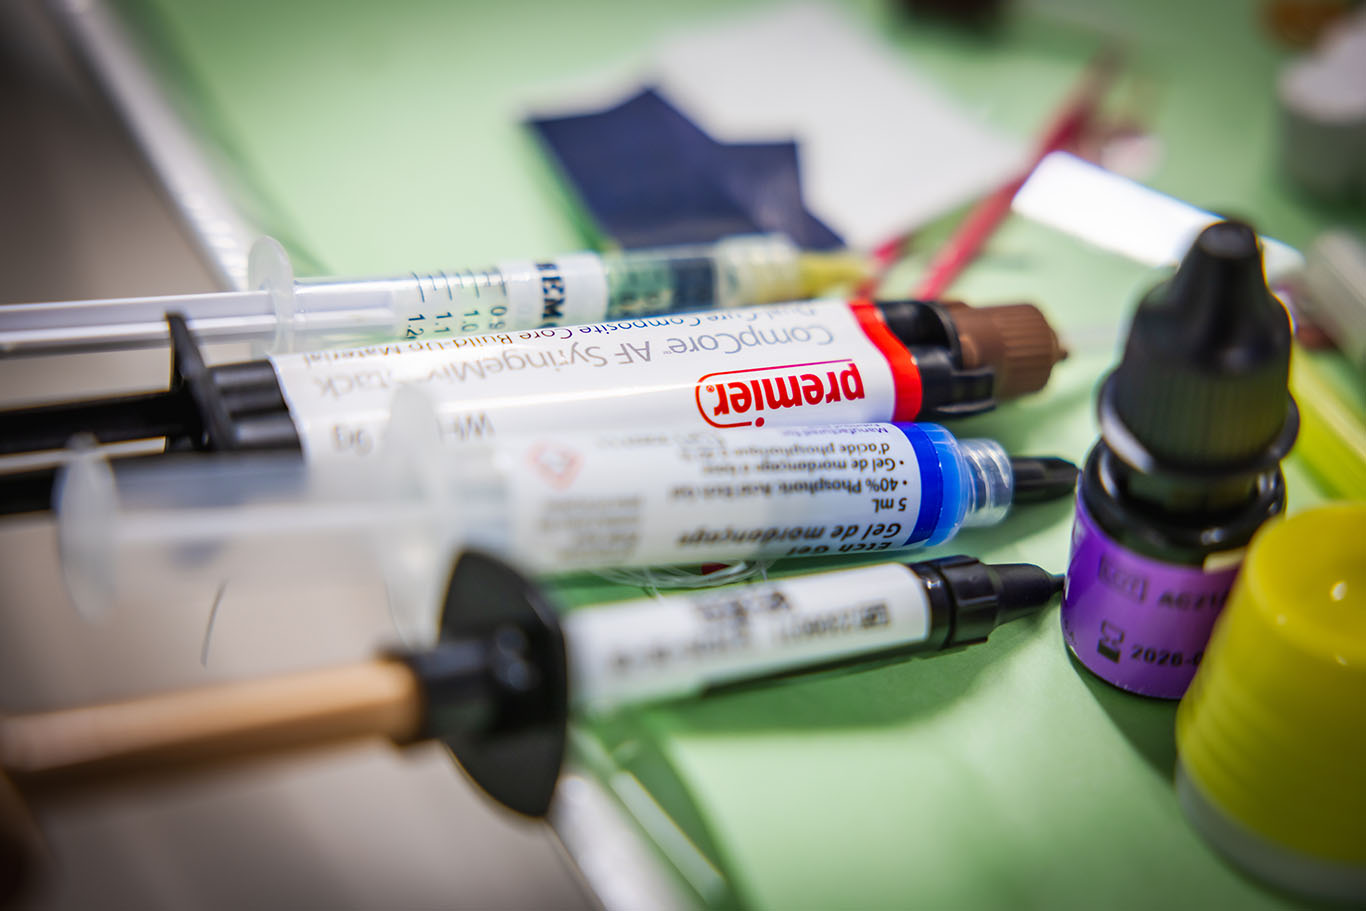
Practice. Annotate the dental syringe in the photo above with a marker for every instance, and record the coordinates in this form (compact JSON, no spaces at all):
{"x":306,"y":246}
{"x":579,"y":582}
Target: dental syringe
{"x":507,"y":674}
{"x":288,"y":314}
{"x":553,"y":502}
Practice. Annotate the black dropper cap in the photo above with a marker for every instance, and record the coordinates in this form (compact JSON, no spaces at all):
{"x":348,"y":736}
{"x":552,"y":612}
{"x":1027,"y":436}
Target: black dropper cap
{"x":1202,"y":386}
{"x":969,"y":598}
{"x":1040,"y":479}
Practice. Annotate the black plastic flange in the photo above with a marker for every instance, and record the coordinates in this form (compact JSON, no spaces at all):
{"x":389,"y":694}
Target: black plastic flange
{"x":515,"y":749}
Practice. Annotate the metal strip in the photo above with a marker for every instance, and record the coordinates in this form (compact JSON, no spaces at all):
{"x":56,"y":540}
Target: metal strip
{"x":179,"y":158}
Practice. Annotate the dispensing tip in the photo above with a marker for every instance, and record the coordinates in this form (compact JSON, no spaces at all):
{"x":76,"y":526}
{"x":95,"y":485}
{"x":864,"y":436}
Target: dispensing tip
{"x":1040,"y":479}
{"x":982,"y":596}
{"x":1024,"y":588}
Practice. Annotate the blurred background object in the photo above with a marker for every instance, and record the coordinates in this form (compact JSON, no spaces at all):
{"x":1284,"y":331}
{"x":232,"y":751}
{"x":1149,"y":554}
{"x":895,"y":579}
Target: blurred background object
{"x":1323,"y":114}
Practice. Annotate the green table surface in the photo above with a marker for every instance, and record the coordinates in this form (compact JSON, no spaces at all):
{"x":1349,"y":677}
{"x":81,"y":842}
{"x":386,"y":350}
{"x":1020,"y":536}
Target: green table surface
{"x":384,"y":137}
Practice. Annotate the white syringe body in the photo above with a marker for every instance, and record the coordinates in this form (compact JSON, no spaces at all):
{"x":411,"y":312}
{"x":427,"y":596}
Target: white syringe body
{"x":285,"y":314}
{"x":682,"y":645}
{"x":551,"y":503}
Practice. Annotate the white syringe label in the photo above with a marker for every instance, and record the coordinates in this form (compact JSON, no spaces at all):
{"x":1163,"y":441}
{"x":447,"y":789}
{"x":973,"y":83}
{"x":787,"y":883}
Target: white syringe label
{"x":591,"y":500}
{"x":681,"y":645}
{"x":569,"y":291}
{"x":809,"y":363}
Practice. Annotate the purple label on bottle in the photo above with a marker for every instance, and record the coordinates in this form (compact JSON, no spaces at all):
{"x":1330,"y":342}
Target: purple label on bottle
{"x":1137,"y":622}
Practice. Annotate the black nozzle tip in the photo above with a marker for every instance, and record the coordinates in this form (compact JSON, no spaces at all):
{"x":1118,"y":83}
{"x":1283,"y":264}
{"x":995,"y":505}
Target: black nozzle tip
{"x":1024,"y":588}
{"x":1229,"y":240}
{"x":981,"y":596}
{"x":1038,"y":480}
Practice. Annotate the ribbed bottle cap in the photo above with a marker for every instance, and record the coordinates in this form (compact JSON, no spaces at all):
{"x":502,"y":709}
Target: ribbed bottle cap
{"x":1270,"y":734}
{"x":1014,"y":338}
{"x":1203,"y":381}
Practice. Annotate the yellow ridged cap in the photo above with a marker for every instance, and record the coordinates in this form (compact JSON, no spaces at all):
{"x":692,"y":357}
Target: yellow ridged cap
{"x":1273,"y":729}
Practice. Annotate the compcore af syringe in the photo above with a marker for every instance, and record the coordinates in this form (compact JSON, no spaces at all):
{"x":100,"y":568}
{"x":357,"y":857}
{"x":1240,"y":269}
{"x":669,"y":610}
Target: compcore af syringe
{"x":809,"y":363}
{"x":288,"y":314}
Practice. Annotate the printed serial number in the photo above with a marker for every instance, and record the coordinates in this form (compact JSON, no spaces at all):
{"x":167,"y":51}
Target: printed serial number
{"x":1163,"y":657}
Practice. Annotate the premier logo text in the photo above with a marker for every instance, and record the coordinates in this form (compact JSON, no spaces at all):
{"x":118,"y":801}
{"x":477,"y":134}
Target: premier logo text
{"x":737,"y":398}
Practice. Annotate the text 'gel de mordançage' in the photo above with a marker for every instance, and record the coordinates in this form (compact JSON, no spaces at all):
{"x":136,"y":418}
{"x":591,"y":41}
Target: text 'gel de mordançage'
{"x":1194,"y":422}
{"x":551,"y":503}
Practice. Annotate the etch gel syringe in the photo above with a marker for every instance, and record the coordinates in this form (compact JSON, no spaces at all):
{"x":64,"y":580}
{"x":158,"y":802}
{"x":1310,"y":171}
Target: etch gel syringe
{"x":553,"y":502}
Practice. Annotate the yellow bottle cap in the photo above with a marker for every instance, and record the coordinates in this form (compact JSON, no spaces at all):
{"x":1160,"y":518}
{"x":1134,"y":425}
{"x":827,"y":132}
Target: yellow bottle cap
{"x":1272,"y":733}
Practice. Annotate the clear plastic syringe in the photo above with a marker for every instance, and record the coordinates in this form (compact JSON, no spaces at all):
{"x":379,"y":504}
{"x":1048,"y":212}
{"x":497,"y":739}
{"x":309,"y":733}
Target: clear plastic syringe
{"x":289,"y":314}
{"x":554,"y":502}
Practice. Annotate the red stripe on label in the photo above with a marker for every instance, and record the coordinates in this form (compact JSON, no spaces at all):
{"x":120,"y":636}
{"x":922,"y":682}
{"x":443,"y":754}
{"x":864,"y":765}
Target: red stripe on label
{"x":905,"y":374}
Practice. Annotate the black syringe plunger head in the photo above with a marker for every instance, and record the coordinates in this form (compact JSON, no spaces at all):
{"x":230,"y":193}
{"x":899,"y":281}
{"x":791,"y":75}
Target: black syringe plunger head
{"x":1039,"y":479}
{"x":1203,"y":383}
{"x":504,"y":711}
{"x":977,"y":597}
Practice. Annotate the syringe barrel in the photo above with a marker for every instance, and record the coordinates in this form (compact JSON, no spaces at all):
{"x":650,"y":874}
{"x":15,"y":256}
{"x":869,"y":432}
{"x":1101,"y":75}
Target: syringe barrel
{"x":657,"y":497}
{"x":734,"y":272}
{"x":566,"y":290}
{"x":552,"y":503}
{"x":427,"y":306}
{"x":557,"y":502}
{"x":126,"y":529}
{"x":681,"y":645}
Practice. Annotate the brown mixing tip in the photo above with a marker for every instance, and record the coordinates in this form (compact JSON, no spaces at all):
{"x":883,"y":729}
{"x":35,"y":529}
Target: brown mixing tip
{"x":1016,"y":339}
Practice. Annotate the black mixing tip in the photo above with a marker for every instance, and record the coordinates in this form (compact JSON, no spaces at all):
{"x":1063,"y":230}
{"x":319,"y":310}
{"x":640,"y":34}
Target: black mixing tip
{"x":1038,"y":480}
